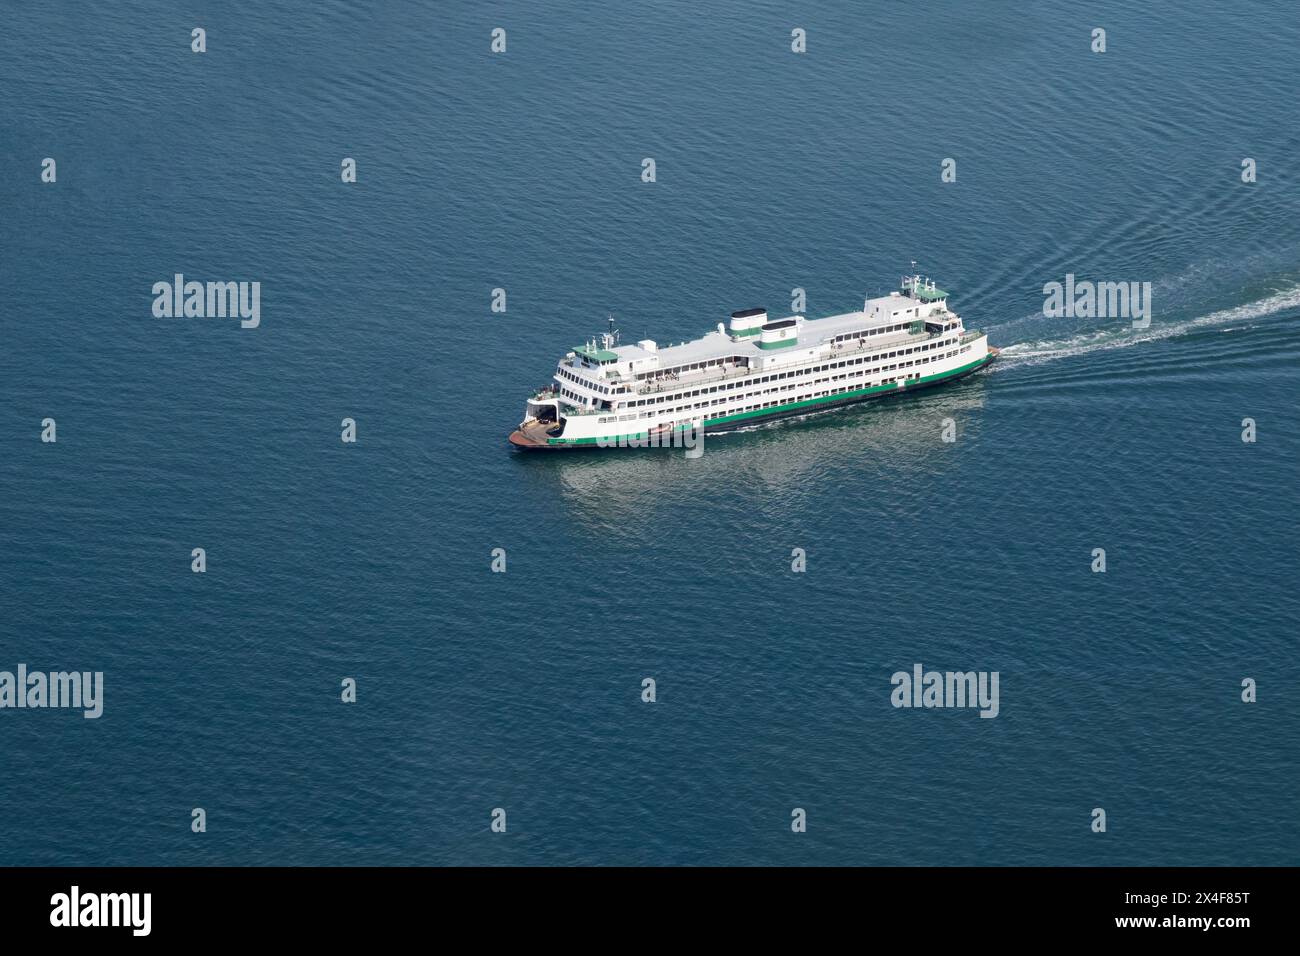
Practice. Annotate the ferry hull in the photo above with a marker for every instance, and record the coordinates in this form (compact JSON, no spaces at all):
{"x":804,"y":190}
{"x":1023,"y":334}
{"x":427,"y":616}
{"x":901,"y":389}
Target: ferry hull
{"x":537,"y":442}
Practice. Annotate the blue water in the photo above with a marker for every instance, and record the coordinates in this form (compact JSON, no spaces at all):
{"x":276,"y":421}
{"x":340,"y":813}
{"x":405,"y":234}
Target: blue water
{"x":522,"y":690}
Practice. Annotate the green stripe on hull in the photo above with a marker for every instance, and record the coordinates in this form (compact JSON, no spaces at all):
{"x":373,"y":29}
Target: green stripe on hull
{"x":873,"y":390}
{"x":776,"y":409}
{"x":635,"y":436}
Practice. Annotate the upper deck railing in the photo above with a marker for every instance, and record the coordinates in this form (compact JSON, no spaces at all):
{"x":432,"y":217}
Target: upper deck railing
{"x":725,"y":374}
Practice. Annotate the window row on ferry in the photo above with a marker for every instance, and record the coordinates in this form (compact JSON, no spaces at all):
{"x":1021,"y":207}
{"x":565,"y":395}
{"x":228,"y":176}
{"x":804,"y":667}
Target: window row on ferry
{"x":749,"y":382}
{"x":727,"y":399}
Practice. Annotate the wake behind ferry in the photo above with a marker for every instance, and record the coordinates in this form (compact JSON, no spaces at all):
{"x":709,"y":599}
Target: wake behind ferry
{"x":606,"y":395}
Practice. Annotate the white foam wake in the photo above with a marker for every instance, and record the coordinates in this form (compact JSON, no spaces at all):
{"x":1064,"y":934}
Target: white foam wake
{"x":1120,"y":336}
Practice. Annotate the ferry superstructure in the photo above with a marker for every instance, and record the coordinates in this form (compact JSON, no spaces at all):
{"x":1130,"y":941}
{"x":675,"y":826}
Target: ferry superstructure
{"x":750,"y":370}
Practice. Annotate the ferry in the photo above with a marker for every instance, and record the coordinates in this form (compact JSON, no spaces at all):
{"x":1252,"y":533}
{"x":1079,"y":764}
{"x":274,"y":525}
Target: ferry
{"x":752,"y":369}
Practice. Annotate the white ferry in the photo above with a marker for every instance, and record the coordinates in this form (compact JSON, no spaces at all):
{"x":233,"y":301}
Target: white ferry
{"x":607,"y":395}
